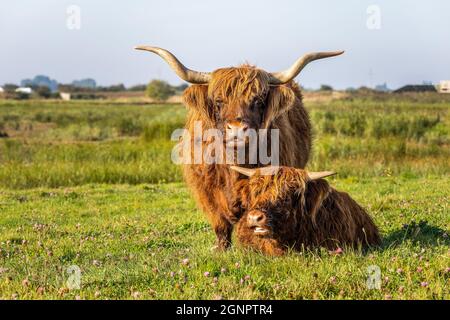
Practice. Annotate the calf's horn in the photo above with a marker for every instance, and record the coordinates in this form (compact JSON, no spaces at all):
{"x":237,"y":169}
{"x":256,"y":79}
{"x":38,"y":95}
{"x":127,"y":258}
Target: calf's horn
{"x":320,"y":175}
{"x":289,"y":74}
{"x":272,"y":170}
{"x":267,"y":171}
{"x":184,"y":73}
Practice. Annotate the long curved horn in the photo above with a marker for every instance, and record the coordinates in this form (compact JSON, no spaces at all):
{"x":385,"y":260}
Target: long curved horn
{"x":320,"y":175}
{"x":184,"y":73}
{"x":289,"y":74}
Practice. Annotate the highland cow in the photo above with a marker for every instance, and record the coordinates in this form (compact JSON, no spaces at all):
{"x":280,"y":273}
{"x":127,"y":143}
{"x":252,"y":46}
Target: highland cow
{"x":296,"y":209}
{"x":238,"y":99}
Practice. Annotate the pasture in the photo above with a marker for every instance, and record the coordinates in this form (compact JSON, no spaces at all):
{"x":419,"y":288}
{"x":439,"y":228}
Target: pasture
{"x":91,"y":184}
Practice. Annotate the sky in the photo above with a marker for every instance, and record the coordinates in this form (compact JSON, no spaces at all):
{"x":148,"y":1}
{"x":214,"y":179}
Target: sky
{"x":393,"y":41}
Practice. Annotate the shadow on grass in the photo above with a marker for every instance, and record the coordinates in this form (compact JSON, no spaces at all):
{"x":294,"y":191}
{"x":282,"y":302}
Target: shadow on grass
{"x":420,"y":233}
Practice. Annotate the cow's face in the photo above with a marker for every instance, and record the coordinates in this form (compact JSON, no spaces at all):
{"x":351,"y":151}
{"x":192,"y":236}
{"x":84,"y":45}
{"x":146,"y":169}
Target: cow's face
{"x":237,"y":100}
{"x":238,"y":97}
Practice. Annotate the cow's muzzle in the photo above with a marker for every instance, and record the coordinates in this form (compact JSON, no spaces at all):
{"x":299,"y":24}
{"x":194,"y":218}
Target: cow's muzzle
{"x":257,"y":221}
{"x":236,"y":134}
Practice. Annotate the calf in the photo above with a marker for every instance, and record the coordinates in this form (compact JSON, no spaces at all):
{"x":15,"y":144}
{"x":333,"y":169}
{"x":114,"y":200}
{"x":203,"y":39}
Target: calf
{"x":290,"y":208}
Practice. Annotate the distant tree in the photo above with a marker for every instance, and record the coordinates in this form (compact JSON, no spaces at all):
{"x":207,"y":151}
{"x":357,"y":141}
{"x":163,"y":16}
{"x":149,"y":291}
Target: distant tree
{"x":160,"y":90}
{"x":10,"y":87}
{"x":66,"y":88}
{"x":139,"y":87}
{"x":325,"y":87}
{"x":85,"y":83}
{"x":113,"y":88}
{"x":40,"y":81}
{"x":19,"y":96}
{"x":181,"y":87}
{"x":117,"y":87}
{"x":43,"y":92}
{"x":365,"y":90}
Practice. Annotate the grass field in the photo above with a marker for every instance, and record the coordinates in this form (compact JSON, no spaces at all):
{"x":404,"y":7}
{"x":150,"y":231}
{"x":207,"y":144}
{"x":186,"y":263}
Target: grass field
{"x":90,"y":184}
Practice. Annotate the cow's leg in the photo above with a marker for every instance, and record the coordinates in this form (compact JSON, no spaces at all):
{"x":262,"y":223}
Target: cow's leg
{"x":223,"y":229}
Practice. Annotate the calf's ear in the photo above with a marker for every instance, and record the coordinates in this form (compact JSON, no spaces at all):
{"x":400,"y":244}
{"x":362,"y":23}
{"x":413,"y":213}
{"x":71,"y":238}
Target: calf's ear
{"x":315,"y":194}
{"x":279,"y":100}
{"x":195,"y":98}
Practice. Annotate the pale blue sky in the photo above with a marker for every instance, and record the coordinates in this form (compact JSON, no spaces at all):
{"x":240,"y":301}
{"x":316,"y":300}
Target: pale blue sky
{"x":412,"y":45}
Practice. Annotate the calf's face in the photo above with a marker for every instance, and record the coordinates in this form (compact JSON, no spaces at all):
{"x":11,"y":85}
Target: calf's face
{"x":270,"y":219}
{"x":273,"y":206}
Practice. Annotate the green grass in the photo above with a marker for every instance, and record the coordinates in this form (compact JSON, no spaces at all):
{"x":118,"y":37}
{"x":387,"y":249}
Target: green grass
{"x":54,"y":144}
{"x":91,"y":184}
{"x":129,"y":239}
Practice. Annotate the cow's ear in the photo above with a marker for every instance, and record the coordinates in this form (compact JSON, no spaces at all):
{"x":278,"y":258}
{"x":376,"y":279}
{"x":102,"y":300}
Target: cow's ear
{"x":315,"y":194}
{"x":279,"y":100}
{"x":195,"y":98}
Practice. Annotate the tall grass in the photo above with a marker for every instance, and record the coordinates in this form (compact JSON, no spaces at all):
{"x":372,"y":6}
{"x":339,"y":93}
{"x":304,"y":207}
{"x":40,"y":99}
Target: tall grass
{"x":58,"y":144}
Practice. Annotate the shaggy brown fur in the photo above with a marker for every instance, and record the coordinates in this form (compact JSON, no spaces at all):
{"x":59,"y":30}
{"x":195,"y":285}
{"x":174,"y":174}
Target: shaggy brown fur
{"x":242,"y":94}
{"x":292,"y":211}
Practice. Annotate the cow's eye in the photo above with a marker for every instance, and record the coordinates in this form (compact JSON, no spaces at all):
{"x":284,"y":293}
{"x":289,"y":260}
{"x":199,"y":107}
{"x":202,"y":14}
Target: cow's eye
{"x":257,"y":104}
{"x":219,"y":103}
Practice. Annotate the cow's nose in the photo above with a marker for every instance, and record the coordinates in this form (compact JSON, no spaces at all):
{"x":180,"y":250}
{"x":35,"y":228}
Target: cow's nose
{"x":237,"y":126}
{"x":256,"y":219}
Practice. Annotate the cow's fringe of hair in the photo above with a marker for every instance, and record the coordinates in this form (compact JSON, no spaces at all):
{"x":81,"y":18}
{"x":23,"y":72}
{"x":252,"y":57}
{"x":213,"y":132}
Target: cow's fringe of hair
{"x":244,"y":83}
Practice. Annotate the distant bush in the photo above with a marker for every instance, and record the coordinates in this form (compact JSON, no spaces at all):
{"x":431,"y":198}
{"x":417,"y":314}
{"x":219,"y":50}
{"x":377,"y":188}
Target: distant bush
{"x":369,"y":92}
{"x":129,"y":127}
{"x":85,"y":96}
{"x":43,"y":92}
{"x":3,"y":134}
{"x":139,"y":87}
{"x":160,"y":90}
{"x":160,"y":130}
{"x":113,"y":88}
{"x":64,"y":119}
{"x":351,"y":124}
{"x":325,"y":87}
{"x":10,"y":87}
{"x":43,"y":117}
{"x":18,"y":96}
{"x":359,"y":123}
{"x":439,"y":135}
{"x":181,"y":87}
